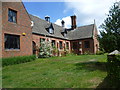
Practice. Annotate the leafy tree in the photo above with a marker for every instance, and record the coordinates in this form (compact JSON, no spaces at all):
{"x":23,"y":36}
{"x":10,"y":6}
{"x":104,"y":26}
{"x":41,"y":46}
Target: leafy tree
{"x":110,"y":35}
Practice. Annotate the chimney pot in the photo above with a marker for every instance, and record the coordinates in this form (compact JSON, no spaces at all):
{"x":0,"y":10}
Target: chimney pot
{"x":63,"y":23}
{"x":47,"y":18}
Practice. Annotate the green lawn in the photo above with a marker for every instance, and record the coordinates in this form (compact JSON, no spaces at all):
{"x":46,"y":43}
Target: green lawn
{"x":84,"y":71}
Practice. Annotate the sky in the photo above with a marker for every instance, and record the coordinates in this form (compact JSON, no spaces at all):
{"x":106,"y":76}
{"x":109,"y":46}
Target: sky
{"x":86,"y":11}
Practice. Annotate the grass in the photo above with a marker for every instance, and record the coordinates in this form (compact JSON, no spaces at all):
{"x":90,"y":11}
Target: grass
{"x":84,"y":71}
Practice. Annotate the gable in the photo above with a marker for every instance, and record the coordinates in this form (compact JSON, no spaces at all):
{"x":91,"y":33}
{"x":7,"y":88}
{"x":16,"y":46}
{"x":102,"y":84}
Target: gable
{"x":22,"y":15}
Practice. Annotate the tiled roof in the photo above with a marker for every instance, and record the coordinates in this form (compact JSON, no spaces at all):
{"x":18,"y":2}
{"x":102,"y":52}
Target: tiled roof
{"x":82,"y":32}
{"x":40,"y":26}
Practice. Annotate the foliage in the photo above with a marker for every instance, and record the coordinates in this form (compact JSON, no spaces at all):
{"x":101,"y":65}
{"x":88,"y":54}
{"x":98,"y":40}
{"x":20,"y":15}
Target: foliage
{"x":55,"y":51}
{"x":66,"y":51}
{"x":87,"y":53}
{"x":45,"y":49}
{"x":71,"y":54}
{"x":99,"y":52}
{"x":110,"y":35}
{"x":17,"y":60}
{"x":113,"y":68}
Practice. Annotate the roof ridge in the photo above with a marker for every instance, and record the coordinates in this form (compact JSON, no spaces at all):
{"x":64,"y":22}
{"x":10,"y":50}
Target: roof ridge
{"x":85,"y":25}
{"x":45,"y":20}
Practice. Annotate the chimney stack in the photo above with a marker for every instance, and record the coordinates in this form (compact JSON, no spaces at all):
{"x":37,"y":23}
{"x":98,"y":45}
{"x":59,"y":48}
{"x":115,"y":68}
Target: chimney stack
{"x":47,"y":18}
{"x":63,"y":23}
{"x":73,"y":21}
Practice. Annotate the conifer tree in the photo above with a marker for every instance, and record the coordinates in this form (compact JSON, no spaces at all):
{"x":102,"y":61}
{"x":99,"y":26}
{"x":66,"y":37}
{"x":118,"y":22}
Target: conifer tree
{"x":110,"y":35}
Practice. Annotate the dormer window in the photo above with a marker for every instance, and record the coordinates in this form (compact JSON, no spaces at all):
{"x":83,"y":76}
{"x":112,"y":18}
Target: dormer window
{"x":65,"y":34}
{"x":51,"y":31}
{"x":12,"y":15}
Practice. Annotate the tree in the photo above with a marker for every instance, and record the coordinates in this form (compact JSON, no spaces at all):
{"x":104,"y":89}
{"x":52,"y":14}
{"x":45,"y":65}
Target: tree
{"x":110,"y":35}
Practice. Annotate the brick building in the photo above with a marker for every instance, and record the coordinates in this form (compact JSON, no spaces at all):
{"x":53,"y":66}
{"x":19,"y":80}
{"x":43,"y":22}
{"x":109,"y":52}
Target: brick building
{"x":79,"y":40}
{"x":16,"y":30}
{"x":22,"y":33}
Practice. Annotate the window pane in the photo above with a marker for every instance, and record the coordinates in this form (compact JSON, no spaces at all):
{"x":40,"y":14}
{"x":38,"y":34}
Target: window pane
{"x":67,"y":45}
{"x":53,"y":43}
{"x":12,"y":41}
{"x":60,"y":45}
{"x":87,"y":44}
{"x":75,"y":45}
{"x":50,"y":30}
{"x":12,"y":16}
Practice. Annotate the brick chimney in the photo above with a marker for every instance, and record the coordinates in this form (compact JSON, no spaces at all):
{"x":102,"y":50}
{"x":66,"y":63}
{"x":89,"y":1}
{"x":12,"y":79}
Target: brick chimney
{"x":73,"y":22}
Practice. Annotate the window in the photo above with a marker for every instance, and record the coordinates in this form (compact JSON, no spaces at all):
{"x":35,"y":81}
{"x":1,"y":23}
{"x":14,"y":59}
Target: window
{"x":53,"y":43}
{"x":12,"y":41}
{"x":12,"y":16}
{"x":65,"y":34}
{"x":75,"y":45}
{"x":50,"y":30}
{"x":42,"y":40}
{"x":60,"y":43}
{"x":67,"y":45}
{"x":87,"y":44}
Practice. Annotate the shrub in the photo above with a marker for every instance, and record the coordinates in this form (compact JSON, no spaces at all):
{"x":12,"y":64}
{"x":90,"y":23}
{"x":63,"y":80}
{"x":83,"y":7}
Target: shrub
{"x":113,"y":68}
{"x":55,"y":51}
{"x":87,"y":53}
{"x":99,"y":52}
{"x":45,"y":49}
{"x":71,"y":54}
{"x":17,"y":60}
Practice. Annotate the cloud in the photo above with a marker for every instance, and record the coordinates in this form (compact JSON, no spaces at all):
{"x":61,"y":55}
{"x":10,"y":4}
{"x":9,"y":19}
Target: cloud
{"x":88,"y":10}
{"x":67,"y":21}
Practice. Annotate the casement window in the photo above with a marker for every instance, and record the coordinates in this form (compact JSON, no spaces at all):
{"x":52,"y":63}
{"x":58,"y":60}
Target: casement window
{"x":53,"y":43}
{"x":12,"y":41}
{"x":87,"y":44}
{"x":67,"y":45}
{"x":75,"y":45}
{"x":12,"y":15}
{"x":60,"y":45}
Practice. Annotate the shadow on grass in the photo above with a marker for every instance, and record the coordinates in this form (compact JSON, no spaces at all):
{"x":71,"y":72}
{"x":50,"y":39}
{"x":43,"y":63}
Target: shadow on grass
{"x":91,"y":66}
{"x":109,"y":82}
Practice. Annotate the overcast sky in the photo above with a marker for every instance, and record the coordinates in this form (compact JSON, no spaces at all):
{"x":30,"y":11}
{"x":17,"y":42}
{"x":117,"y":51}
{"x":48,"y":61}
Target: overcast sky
{"x":85,"y":10}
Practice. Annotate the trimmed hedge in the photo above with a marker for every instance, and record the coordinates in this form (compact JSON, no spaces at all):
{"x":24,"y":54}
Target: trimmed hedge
{"x":17,"y":60}
{"x":113,"y":68}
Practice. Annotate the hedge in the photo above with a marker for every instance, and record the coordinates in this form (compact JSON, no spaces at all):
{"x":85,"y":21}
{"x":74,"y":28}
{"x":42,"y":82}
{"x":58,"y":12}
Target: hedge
{"x":17,"y":60}
{"x":113,"y":69}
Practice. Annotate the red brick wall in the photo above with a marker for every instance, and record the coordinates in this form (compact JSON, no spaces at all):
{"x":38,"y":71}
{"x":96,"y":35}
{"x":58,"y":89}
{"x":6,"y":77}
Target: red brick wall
{"x":36,"y":39}
{"x":81,"y":46}
{"x":96,"y":42}
{"x":23,"y":25}
{"x":0,"y":29}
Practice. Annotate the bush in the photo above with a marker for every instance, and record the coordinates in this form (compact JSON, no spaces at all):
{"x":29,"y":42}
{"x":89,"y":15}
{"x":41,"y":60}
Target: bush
{"x":17,"y":60}
{"x":113,"y":68}
{"x":87,"y":53}
{"x":45,"y":49}
{"x":99,"y":52}
{"x":71,"y":54}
